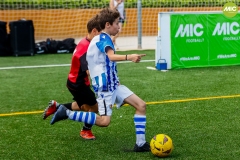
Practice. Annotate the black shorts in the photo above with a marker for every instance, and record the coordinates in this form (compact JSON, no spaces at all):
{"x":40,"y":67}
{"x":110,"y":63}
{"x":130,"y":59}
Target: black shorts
{"x":83,"y":96}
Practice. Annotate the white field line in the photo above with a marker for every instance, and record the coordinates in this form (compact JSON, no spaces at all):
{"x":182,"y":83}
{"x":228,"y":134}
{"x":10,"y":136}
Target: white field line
{"x":40,"y":66}
{"x":56,"y":65}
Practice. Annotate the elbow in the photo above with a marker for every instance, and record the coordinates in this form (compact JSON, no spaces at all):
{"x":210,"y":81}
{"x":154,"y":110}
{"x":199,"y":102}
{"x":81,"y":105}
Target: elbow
{"x":111,"y":58}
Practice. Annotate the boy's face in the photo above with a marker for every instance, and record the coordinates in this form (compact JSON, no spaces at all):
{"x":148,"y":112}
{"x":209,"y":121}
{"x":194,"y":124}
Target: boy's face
{"x":114,"y":28}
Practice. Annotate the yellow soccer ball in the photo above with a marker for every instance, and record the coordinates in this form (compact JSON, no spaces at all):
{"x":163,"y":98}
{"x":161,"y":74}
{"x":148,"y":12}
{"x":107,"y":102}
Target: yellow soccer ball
{"x":161,"y":145}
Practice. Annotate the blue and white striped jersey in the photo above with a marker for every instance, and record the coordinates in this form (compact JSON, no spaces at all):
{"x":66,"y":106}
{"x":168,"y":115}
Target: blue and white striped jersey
{"x":103,"y":72}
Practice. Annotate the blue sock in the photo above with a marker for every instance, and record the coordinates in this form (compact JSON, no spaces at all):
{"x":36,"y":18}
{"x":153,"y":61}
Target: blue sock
{"x":80,"y":116}
{"x":140,"y":125}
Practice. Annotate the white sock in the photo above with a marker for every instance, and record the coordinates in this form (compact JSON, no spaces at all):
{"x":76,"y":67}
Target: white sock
{"x":140,"y":125}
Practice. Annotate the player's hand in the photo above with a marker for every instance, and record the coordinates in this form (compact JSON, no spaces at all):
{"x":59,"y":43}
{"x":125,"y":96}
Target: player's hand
{"x":135,"y":57}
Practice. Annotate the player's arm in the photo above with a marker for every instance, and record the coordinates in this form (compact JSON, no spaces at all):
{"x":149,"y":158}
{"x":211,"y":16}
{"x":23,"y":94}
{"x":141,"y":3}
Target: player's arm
{"x":111,"y":4}
{"x":128,"y":57}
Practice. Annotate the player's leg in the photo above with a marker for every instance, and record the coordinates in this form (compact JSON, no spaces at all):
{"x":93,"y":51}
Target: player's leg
{"x":50,"y":109}
{"x":53,"y":106}
{"x":86,"y":100}
{"x":88,"y":108}
{"x":80,"y":116}
{"x":140,"y":122}
{"x":104,"y":106}
{"x":124,"y":95}
{"x":103,"y":119}
{"x":84,"y":107}
{"x":81,"y":96}
{"x":74,"y":106}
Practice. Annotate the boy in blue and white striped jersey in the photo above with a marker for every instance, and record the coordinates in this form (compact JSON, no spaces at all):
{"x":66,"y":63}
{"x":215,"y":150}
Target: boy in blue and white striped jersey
{"x":102,"y":66}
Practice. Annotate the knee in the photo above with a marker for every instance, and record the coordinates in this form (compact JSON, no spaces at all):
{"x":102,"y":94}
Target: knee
{"x":142,"y":107}
{"x":87,"y":108}
{"x":104,"y":122}
{"x":94,"y":108}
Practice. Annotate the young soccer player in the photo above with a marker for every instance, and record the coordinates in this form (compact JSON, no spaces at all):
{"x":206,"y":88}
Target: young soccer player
{"x":102,"y":66}
{"x":78,"y":82}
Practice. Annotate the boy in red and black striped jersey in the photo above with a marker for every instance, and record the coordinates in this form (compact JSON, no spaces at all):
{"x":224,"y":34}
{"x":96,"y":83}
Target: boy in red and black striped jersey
{"x":78,"y":82}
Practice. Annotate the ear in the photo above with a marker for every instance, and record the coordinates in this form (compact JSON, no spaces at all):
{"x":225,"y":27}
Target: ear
{"x":94,"y":30}
{"x":107,"y":25}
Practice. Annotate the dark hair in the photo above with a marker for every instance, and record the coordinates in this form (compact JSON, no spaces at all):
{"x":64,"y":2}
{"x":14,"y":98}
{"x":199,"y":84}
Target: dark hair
{"x":93,"y":23}
{"x":107,"y":15}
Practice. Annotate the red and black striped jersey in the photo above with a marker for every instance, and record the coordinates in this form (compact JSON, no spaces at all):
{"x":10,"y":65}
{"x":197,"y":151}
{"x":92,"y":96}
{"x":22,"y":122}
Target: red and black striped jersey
{"x":77,"y":77}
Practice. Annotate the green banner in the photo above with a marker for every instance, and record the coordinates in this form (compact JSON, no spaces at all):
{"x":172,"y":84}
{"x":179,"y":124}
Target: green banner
{"x":201,"y":40}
